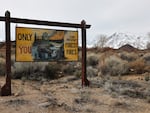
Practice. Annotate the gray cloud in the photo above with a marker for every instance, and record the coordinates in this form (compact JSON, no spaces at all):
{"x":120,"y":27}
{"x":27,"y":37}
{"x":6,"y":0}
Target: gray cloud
{"x":105,"y":16}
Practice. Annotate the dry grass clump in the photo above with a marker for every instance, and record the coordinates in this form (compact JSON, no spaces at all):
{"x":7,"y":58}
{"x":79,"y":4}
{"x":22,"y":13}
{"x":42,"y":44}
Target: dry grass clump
{"x":52,"y":70}
{"x":70,"y":67}
{"x":146,"y":57}
{"x":113,"y":65}
{"x":124,"y":63}
{"x":78,"y":73}
{"x":27,"y":69}
{"x":16,"y":102}
{"x":91,"y":71}
{"x":147,"y":78}
{"x":127,"y":88}
{"x":92,"y":59}
{"x":137,"y":66}
{"x":2,"y":55}
{"x":34,"y":70}
{"x":128,"y":56}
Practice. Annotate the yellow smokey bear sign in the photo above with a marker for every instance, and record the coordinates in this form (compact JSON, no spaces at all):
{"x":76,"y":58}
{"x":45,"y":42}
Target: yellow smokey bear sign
{"x":33,"y":44}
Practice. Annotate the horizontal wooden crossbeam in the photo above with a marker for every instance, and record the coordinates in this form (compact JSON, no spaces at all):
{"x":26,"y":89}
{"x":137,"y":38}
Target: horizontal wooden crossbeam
{"x":47,"y":23}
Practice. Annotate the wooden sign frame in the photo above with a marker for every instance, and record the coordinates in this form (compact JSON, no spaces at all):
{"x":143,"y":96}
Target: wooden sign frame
{"x":6,"y":89}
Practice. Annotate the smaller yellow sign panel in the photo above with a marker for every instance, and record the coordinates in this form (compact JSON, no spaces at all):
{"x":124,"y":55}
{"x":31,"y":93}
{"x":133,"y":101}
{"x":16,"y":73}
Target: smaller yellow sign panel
{"x":71,"y":45}
{"x":34,"y":44}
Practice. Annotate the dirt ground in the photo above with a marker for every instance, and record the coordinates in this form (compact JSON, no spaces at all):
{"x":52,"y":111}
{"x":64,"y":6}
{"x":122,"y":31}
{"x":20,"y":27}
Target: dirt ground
{"x":65,"y":95}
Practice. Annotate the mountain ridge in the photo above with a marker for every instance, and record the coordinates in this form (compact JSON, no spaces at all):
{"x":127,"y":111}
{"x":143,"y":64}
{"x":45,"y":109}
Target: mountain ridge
{"x":117,"y":40}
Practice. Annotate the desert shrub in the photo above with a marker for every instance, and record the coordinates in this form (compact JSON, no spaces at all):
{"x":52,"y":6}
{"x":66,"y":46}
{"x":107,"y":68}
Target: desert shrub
{"x":91,"y":71}
{"x":69,"y":68}
{"x":2,"y":66}
{"x":114,"y":66}
{"x":78,"y":73}
{"x":52,"y":70}
{"x":2,"y":69}
{"x":13,"y":59}
{"x":128,"y":56}
{"x":92,"y":60}
{"x":27,"y":69}
{"x":137,"y":66}
{"x":147,"y":78}
{"x":147,"y":68}
{"x":146,"y":57}
{"x":2,"y":55}
{"x":80,"y":56}
{"x":148,"y":99}
{"x":20,"y":69}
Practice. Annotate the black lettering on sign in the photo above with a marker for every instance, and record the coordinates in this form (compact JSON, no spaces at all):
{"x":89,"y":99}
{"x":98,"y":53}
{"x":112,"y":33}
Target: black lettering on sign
{"x":71,"y":51}
{"x":24,"y":36}
{"x":25,"y":49}
{"x":70,"y":39}
{"x":70,"y":45}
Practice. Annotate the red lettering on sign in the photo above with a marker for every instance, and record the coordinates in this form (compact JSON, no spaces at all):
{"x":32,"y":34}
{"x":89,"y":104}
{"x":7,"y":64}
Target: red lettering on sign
{"x":25,"y":49}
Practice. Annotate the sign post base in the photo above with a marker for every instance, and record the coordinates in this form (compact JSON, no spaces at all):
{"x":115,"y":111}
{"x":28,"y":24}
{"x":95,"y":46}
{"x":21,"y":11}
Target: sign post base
{"x":6,"y":90}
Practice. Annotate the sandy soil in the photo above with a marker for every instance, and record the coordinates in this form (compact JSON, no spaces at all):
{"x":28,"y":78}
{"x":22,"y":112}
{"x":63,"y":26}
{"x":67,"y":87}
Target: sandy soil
{"x":66,"y":95}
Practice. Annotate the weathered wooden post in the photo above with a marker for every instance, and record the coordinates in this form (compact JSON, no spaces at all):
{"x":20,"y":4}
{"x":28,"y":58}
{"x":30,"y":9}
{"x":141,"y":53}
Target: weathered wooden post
{"x":85,"y":81}
{"x":6,"y":89}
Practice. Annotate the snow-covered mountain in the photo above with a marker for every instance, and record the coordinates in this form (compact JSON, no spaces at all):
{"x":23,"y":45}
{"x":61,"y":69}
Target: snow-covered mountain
{"x":119,"y":39}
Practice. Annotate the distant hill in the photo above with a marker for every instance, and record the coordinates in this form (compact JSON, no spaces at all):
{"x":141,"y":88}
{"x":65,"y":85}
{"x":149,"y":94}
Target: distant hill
{"x":127,"y":47}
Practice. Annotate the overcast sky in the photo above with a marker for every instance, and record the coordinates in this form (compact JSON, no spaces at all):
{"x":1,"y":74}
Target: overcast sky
{"x":105,"y":16}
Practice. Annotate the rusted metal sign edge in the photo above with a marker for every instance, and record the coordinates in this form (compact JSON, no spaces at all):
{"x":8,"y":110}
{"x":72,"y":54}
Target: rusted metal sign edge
{"x":47,"y":23}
